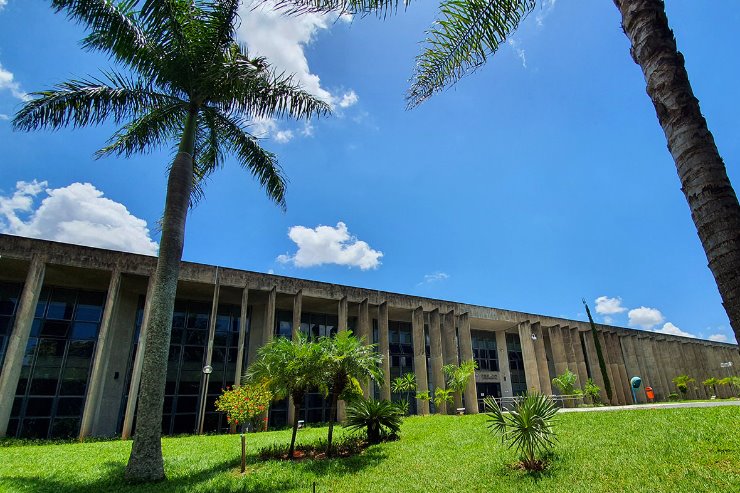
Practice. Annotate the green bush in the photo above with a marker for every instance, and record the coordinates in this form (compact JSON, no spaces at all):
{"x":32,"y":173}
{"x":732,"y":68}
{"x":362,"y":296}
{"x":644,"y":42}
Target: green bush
{"x":592,"y":391}
{"x":528,"y":427}
{"x":380,"y":419}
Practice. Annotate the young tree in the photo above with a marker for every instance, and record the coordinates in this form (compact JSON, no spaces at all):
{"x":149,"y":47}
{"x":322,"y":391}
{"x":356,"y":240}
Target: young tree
{"x":345,"y":361}
{"x":186,"y":82}
{"x":405,"y":385}
{"x":471,"y":31}
{"x":682,"y":383}
{"x":289,"y":368}
{"x":458,"y":376}
{"x":711,"y":383}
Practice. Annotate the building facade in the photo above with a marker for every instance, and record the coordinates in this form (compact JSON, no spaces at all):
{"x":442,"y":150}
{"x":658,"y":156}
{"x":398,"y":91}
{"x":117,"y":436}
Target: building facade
{"x":72,"y":323}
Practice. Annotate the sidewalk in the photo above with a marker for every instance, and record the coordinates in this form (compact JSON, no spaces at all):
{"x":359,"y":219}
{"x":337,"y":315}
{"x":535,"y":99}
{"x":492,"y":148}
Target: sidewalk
{"x":660,"y":405}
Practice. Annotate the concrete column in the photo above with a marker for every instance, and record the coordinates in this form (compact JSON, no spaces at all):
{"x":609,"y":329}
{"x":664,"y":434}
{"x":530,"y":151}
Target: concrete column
{"x":297,"y":309}
{"x":435,"y":357}
{"x":18,"y":340}
{"x":243,"y":315}
{"x":503,"y":364}
{"x":558,"y":350}
{"x":540,"y":353}
{"x":618,"y":370}
{"x":666,"y":386}
{"x":268,"y":329}
{"x":342,"y":314}
{"x":531,"y":373}
{"x":575,"y":340}
{"x":610,"y":370}
{"x":449,"y":350}
{"x":385,"y":390}
{"x":133,"y":390}
{"x":420,"y":358}
{"x":639,"y":359}
{"x":570,"y":352}
{"x":619,"y":352}
{"x":593,"y":363}
{"x":699,"y":364}
{"x":364,"y":331}
{"x":342,"y":326}
{"x":653,"y":378}
{"x":209,"y":353}
{"x":100,"y":360}
{"x":466,"y":354}
{"x":632,"y":367}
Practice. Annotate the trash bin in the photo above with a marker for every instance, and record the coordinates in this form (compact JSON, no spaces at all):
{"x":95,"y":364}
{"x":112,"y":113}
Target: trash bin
{"x":650,"y":394}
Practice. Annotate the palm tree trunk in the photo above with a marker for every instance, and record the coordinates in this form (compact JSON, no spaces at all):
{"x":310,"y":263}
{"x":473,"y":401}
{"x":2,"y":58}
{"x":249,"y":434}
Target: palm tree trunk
{"x":704,"y":182}
{"x":297,"y":410}
{"x":145,"y":462}
{"x":332,"y":418}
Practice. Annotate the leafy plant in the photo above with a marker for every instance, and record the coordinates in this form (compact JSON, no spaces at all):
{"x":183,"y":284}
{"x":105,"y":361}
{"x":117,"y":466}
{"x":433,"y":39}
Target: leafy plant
{"x":566,"y":383}
{"x":457,"y":377}
{"x":245,"y":405}
{"x":712,"y":383}
{"x":442,"y":397}
{"x":423,"y":395}
{"x":528,"y":428}
{"x":592,"y":391}
{"x":405,"y":385}
{"x":599,"y":353}
{"x":673,"y":397}
{"x":682,"y":383}
{"x":288,"y":368}
{"x":378,"y":418}
{"x":346,"y":360}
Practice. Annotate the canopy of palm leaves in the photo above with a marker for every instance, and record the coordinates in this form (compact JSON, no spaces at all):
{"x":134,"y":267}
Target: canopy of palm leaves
{"x":174,"y":59}
{"x":347,"y":358}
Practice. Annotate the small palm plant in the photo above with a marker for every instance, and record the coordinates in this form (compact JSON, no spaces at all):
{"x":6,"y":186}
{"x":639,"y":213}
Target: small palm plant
{"x":458,"y":376}
{"x":592,"y":391}
{"x":405,"y":385}
{"x":528,"y":427}
{"x":379,"y":418}
{"x":711,"y":383}
{"x":682,"y":383}
{"x":442,"y":397}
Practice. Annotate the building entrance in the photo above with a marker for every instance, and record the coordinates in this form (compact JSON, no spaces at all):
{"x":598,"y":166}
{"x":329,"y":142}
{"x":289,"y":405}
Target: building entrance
{"x":487,"y":389}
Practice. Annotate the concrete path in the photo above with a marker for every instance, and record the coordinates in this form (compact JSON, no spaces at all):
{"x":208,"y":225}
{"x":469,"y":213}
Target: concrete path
{"x":661,"y":405}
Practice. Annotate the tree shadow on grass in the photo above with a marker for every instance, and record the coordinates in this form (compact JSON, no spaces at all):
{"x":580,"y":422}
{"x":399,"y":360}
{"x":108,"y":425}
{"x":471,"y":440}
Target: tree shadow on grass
{"x":112,"y":479}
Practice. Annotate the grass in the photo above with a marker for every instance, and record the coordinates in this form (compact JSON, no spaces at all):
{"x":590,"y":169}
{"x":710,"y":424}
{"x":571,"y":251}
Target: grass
{"x":661,"y":450}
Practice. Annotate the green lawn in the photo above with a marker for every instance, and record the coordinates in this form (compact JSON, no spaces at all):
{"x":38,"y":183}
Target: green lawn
{"x":670,"y":450}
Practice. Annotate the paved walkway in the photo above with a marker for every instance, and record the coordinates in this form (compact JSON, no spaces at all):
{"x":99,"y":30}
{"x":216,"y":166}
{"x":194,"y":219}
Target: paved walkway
{"x":661,"y":405}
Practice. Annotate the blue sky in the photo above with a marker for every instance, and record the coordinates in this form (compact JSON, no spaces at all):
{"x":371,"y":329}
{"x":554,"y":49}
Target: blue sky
{"x":541,"y":179}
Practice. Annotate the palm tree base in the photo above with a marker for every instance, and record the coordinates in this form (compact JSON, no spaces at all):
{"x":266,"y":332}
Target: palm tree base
{"x":145,"y":464}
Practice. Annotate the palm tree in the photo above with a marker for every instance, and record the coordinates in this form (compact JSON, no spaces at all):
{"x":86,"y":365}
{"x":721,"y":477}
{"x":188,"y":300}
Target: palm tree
{"x":458,"y":376}
{"x":346,"y":361}
{"x":471,"y":31}
{"x":712,"y":382}
{"x":290,"y":368}
{"x":188,"y":83}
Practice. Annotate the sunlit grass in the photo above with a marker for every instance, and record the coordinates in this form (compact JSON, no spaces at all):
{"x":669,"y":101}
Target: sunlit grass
{"x":668,"y":450}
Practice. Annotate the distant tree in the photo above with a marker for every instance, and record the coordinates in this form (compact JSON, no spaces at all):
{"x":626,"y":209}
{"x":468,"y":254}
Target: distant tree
{"x":186,"y":83}
{"x":457,"y":377}
{"x":289,"y":368}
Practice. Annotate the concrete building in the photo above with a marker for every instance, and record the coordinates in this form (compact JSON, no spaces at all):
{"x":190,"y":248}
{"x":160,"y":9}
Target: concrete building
{"x":71,"y":321}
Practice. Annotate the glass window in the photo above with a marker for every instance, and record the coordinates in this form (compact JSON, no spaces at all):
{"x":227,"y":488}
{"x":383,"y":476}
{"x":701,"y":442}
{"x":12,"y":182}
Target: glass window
{"x":61,"y":304}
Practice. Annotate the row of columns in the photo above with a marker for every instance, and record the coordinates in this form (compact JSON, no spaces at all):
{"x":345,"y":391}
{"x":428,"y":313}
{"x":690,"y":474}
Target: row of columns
{"x":625,"y":355}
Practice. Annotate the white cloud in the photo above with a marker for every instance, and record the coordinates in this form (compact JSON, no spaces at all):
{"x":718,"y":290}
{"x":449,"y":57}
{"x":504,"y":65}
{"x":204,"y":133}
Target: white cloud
{"x":546,"y":9}
{"x":7,"y":81}
{"x":348,"y":99}
{"x":3,"y":3}
{"x":434,"y":277}
{"x":284,"y":136}
{"x":519,"y":51}
{"x":669,"y":328}
{"x":328,"y":245}
{"x":77,"y":214}
{"x":4,"y":117}
{"x":282,"y":40}
{"x":609,"y":306}
{"x":718,"y":338}
{"x":645,"y":317}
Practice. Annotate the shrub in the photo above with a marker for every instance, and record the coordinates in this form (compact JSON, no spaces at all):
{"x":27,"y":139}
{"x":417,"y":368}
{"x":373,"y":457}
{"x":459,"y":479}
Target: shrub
{"x":592,"y":391}
{"x":405,"y":384}
{"x":673,"y":397}
{"x":682,"y":383}
{"x":712,"y":382}
{"x":566,"y":383}
{"x":245,"y":405}
{"x":528,"y":427}
{"x":442,"y":397}
{"x":380,"y":419}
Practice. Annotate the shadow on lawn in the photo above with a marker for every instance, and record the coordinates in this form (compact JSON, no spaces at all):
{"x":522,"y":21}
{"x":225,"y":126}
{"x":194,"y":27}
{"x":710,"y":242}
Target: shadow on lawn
{"x":259,"y":480}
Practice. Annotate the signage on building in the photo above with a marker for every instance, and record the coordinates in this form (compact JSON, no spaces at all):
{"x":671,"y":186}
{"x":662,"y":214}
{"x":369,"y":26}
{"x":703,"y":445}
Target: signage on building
{"x":487,"y":376}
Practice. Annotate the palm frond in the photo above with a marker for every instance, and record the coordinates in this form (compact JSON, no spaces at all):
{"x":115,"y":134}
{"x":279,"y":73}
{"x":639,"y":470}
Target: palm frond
{"x":142,"y":135}
{"x":89,"y":102}
{"x":467,"y":33}
{"x":221,"y":17}
{"x":381,"y":8}
{"x":261,"y":163}
{"x":251,"y":87}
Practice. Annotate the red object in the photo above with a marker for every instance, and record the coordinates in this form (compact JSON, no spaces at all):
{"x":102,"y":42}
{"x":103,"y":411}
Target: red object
{"x":650,"y":394}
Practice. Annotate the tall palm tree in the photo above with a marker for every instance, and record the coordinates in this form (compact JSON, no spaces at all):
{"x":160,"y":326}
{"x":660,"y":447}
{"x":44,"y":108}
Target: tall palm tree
{"x":185,"y":82}
{"x":470,"y":31}
{"x":290,"y":368}
{"x":346,"y":360}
